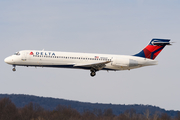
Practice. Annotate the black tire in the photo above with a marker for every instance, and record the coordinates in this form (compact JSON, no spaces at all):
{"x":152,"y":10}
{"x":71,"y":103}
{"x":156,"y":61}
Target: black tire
{"x":14,"y":69}
{"x":93,"y":74}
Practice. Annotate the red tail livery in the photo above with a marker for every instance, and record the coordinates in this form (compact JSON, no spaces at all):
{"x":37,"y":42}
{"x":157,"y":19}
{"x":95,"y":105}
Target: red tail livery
{"x":154,"y":48}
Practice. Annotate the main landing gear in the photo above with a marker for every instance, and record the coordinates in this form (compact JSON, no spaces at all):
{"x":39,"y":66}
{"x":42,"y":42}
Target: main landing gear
{"x":93,"y":72}
{"x":14,"y":69}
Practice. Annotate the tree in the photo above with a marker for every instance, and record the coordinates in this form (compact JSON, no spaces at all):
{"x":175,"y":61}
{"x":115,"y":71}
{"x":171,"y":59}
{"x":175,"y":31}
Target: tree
{"x":88,"y":115}
{"x":65,"y":113}
{"x":8,"y":110}
{"x":165,"y":116}
{"x":178,"y":116}
{"x":146,"y":114}
{"x":30,"y":111}
{"x":155,"y":116}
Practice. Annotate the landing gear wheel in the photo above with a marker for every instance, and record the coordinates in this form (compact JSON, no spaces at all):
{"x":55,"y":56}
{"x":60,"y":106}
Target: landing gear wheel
{"x":14,"y":69}
{"x":93,"y":74}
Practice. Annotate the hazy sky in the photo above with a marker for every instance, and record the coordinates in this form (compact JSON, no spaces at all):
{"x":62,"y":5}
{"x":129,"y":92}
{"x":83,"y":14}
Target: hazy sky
{"x":93,"y":26}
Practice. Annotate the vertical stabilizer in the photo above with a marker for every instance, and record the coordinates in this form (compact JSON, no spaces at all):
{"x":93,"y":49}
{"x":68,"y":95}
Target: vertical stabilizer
{"x":152,"y":50}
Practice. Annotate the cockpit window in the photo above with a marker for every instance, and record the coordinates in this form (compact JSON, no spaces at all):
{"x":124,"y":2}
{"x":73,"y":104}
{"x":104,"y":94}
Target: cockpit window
{"x":17,"y":53}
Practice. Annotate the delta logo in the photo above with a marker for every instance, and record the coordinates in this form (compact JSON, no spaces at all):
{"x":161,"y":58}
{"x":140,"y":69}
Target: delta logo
{"x":42,"y":53}
{"x":45,"y":53}
{"x":31,"y":53}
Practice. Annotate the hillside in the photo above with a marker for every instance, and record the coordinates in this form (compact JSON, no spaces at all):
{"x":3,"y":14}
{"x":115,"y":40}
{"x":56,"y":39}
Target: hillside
{"x":52,"y":103}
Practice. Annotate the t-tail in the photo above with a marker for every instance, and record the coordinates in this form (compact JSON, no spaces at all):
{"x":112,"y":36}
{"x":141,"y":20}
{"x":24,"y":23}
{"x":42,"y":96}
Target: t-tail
{"x":154,"y":48}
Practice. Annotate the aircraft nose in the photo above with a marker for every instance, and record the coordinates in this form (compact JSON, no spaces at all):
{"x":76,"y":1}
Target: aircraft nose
{"x":8,"y":60}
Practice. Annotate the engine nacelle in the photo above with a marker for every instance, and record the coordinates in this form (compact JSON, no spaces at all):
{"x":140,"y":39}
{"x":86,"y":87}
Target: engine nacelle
{"x":124,"y":62}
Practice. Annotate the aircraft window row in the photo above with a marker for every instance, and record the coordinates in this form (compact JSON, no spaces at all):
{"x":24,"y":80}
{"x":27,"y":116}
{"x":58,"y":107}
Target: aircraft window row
{"x":71,"y":57}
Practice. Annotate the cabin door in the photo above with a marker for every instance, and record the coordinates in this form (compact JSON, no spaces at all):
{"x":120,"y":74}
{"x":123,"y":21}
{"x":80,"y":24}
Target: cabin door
{"x":24,"y":56}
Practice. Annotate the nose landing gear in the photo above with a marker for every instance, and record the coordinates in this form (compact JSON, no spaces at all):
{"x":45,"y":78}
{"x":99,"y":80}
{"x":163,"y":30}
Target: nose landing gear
{"x":14,"y":69}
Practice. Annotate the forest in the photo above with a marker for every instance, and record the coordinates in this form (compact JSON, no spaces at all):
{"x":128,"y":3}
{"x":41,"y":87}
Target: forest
{"x":48,"y":103}
{"x":32,"y":111}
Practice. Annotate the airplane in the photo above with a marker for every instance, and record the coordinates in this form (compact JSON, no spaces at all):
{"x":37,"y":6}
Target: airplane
{"x":89,"y":61}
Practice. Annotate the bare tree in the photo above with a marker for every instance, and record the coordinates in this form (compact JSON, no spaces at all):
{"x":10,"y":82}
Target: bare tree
{"x":30,"y":111}
{"x":155,"y":116}
{"x":178,"y":116}
{"x":146,"y":114}
{"x":8,"y":110}
{"x":165,"y":116}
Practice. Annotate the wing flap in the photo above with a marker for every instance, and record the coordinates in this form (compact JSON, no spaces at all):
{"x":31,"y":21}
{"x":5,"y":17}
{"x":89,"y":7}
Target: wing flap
{"x":96,"y":66}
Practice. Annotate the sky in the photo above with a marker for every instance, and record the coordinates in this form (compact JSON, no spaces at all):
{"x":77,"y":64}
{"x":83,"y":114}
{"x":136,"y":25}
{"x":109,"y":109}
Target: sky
{"x":121,"y":27}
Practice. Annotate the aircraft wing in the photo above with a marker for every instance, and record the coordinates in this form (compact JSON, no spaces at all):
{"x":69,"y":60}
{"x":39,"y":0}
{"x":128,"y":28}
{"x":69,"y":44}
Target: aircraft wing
{"x":97,"y":66}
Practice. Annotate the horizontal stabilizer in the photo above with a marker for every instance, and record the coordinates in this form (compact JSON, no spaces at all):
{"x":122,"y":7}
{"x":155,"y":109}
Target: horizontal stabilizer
{"x":161,"y":43}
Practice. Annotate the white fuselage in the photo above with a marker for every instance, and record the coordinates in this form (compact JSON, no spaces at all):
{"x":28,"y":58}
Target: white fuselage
{"x":77,"y":60}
